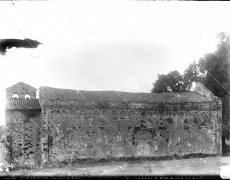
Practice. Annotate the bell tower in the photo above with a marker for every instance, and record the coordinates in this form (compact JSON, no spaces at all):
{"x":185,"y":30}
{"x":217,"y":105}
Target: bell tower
{"x":24,"y":125}
{"x":21,"y":90}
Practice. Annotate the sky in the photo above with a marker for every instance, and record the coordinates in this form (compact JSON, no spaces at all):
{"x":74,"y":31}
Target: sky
{"x":106,"y":45}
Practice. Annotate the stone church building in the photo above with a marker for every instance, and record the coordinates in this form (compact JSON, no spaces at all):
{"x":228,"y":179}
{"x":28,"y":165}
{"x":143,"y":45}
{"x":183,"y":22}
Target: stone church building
{"x":65,"y":125}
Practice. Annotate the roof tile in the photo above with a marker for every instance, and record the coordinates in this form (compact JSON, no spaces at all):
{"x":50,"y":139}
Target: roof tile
{"x":22,"y":104}
{"x":166,"y":97}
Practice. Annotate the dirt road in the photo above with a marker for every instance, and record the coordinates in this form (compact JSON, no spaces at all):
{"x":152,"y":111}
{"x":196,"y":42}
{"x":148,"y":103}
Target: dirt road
{"x":194,"y":166}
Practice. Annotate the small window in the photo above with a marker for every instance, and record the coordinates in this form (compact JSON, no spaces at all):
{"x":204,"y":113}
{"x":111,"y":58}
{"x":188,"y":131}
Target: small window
{"x":15,"y":96}
{"x":27,"y":96}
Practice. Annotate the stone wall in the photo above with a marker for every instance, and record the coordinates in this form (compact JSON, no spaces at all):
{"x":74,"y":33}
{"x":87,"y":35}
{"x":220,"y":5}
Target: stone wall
{"x":72,"y":134}
{"x":186,"y":106}
{"x":69,"y":131}
{"x":23,"y":136}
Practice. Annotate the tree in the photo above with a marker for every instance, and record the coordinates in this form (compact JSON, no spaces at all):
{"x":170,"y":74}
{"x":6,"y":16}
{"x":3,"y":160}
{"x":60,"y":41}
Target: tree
{"x":161,"y":84}
{"x":194,"y":73}
{"x":175,"y":82}
{"x":172,"y":82}
{"x":217,"y":79}
{"x":213,"y":70}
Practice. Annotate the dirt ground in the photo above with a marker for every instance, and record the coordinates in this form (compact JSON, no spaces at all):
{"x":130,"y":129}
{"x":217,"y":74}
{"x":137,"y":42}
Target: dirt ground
{"x":184,"y":167}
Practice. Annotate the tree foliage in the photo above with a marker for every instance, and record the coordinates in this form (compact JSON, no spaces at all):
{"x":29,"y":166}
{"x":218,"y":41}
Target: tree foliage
{"x":213,"y":70}
{"x":176,"y":82}
{"x":173,"y":81}
{"x":217,"y":67}
{"x":194,"y":73}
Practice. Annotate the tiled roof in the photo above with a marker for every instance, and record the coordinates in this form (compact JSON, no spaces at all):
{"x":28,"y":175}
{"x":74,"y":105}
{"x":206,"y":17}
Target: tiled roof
{"x":167,"y":97}
{"x":21,"y":84}
{"x":22,"y":104}
{"x":60,"y":94}
{"x":75,"y":95}
{"x":100,"y":95}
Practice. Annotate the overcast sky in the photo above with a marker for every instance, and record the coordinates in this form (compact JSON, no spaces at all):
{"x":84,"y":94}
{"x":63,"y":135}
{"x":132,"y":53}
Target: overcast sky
{"x":103,"y":45}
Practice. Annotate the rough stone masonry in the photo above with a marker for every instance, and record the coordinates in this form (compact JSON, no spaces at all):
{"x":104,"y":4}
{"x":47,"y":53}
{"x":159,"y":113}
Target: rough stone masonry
{"x":66,"y":125}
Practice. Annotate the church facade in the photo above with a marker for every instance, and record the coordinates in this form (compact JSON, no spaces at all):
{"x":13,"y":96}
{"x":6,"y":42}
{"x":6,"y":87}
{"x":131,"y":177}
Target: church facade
{"x":65,"y":125}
